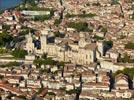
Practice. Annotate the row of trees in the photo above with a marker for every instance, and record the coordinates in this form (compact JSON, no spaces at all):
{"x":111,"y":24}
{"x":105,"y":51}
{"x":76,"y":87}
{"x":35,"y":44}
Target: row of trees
{"x":47,"y":61}
{"x":126,"y":59}
{"x":79,"y":26}
{"x":25,"y":30}
{"x":41,"y":17}
{"x":129,"y":45}
{"x":10,"y":64}
{"x":126,"y":71}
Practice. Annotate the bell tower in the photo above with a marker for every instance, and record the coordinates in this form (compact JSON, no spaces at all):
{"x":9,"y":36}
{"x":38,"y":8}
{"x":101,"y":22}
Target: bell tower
{"x":43,"y":40}
{"x":29,"y":44}
{"x":82,"y":41}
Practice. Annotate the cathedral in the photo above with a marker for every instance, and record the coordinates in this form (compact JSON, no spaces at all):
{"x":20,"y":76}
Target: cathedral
{"x":83,"y":52}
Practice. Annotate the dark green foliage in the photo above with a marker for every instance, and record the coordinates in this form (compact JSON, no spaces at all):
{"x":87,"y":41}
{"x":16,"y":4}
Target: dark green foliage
{"x":40,"y":90}
{"x":44,"y":56}
{"x":104,"y":30}
{"x":98,"y":37}
{"x":78,"y":90}
{"x":109,"y":43}
{"x":61,"y":63}
{"x":117,"y":72}
{"x":5,"y":27}
{"x":70,"y":15}
{"x":25,"y":30}
{"x":57,"y":22}
{"x":79,"y":26}
{"x":2,"y":51}
{"x":19,"y":53}
{"x":47,"y":61}
{"x":129,"y":45}
{"x":127,"y":71}
{"x":126,"y":59}
{"x":71,"y":91}
{"x":51,"y":93}
{"x":90,"y":15}
{"x":41,"y":17}
{"x":10,"y":64}
{"x":5,"y":38}
{"x":114,"y":2}
{"x":36,"y":8}
{"x":58,"y":34}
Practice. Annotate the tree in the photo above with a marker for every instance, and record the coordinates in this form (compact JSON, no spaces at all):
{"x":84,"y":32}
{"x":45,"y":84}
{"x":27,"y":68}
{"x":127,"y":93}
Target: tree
{"x":42,"y":17}
{"x":10,"y":64}
{"x":117,"y":72}
{"x":47,"y":61}
{"x":114,"y":2}
{"x":126,"y":71}
{"x":19,"y":53}
{"x":98,"y":37}
{"x":109,"y":43}
{"x":129,"y":45}
{"x":51,"y":93}
{"x":5,"y":27}
{"x":61,"y":63}
{"x":44,"y":56}
{"x":57,"y":22}
{"x":129,"y":71}
{"x":84,"y":15}
{"x":5,"y":38}
{"x":104,"y":30}
{"x":79,"y":26}
{"x":72,"y":91}
{"x":2,"y":51}
{"x":126,"y":59}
